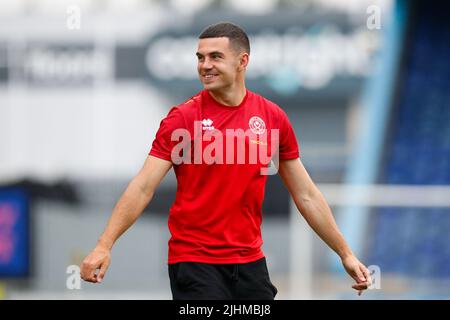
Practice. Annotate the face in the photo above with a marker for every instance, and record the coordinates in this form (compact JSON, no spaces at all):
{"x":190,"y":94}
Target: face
{"x":219,"y":65}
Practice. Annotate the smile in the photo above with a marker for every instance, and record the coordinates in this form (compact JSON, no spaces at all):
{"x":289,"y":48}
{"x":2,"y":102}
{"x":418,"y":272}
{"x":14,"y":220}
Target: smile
{"x":209,"y":76}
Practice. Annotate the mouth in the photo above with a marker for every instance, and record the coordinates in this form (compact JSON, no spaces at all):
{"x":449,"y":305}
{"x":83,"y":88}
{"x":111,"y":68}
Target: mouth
{"x":209,"y":76}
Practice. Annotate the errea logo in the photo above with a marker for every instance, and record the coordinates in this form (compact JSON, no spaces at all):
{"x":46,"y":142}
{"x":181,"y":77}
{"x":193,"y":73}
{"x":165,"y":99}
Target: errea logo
{"x":207,"y":124}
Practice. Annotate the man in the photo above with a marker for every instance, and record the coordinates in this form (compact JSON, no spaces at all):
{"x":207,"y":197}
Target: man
{"x":215,"y":248}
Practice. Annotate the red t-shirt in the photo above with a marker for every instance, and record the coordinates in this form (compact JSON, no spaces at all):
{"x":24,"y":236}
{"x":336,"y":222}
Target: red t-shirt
{"x":217,"y":213}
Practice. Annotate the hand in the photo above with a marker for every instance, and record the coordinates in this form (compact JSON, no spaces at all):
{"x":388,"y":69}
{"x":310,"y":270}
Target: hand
{"x":358,"y":272}
{"x":99,"y":258}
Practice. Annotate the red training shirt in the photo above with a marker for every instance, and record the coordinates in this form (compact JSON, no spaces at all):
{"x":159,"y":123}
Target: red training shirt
{"x":217,"y":214}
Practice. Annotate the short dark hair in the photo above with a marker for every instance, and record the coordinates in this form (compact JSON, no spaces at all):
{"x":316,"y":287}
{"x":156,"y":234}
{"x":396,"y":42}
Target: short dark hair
{"x":238,"y":37}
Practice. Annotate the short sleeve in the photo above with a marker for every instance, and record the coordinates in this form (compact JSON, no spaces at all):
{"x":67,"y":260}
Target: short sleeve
{"x":162,"y":144}
{"x":288,"y":142}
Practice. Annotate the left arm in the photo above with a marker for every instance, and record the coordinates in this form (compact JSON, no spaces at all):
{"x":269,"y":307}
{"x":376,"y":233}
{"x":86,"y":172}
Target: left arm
{"x":314,"y":208}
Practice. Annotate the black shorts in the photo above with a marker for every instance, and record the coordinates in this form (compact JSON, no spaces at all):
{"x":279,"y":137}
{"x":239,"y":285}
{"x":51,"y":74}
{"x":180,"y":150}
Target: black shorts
{"x":200,"y":281}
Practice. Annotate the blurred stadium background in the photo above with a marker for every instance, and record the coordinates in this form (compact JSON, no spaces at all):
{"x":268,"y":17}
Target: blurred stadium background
{"x":85,"y":83}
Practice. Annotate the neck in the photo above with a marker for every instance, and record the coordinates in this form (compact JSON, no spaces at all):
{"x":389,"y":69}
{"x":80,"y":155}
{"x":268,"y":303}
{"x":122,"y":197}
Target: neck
{"x":229,"y":98}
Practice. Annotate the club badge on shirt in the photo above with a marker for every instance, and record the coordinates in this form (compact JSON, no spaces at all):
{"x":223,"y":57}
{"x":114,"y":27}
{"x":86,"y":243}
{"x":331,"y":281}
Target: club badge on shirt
{"x":257,"y":125}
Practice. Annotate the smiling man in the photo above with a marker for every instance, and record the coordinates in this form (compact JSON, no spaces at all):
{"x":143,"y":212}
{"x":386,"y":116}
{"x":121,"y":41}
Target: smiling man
{"x":215,"y":221}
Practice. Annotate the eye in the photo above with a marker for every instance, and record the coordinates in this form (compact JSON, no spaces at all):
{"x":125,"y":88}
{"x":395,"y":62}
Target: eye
{"x":215,"y":56}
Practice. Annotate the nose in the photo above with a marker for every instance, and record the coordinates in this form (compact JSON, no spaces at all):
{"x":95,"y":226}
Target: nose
{"x":206,"y":64}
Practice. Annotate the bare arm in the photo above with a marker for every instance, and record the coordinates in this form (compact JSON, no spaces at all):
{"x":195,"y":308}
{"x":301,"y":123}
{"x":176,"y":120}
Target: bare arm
{"x":127,"y":210}
{"x":314,"y":208}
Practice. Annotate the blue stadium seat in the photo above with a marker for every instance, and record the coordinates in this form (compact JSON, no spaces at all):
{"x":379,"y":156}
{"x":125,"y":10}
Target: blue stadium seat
{"x":416,"y":241}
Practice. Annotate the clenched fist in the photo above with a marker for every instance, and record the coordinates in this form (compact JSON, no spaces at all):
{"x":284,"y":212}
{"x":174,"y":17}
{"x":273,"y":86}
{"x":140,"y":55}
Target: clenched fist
{"x":98,"y":259}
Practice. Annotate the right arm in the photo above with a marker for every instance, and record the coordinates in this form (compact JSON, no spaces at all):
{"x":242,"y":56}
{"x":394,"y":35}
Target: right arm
{"x":127,"y":210}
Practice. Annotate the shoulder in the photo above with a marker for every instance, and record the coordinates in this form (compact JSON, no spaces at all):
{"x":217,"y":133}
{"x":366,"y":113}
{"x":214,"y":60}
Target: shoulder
{"x":182,"y":113}
{"x":267,"y":104}
{"x":190,"y":105}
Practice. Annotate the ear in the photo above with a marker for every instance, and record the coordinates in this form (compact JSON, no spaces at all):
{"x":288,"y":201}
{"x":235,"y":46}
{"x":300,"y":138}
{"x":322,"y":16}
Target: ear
{"x":243,"y":61}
